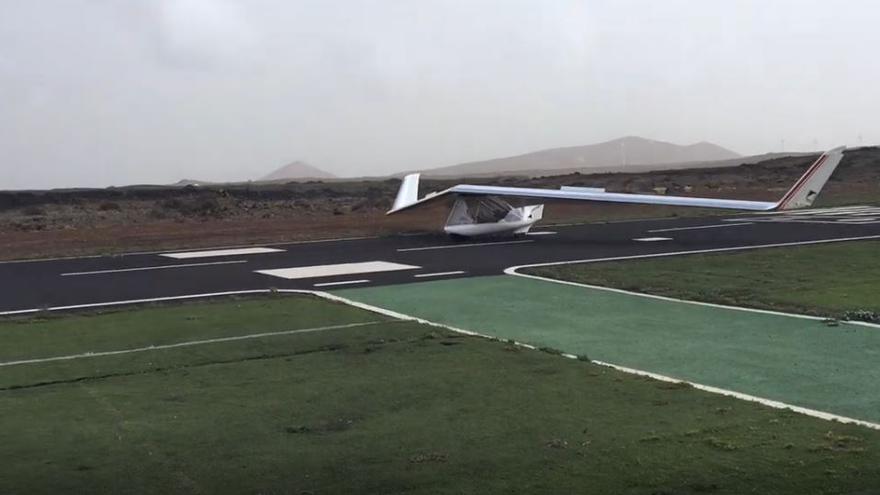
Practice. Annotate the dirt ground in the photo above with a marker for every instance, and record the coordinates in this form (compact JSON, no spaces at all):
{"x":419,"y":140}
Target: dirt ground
{"x":35,"y":224}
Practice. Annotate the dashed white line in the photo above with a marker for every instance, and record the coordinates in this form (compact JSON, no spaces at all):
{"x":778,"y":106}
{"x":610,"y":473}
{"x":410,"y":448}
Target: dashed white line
{"x":438,"y":274}
{"x":158,"y":267}
{"x":542,"y":232}
{"x":453,"y":246}
{"x":165,"y":251}
{"x":703,"y":227}
{"x":344,"y":282}
{"x":652,"y":239}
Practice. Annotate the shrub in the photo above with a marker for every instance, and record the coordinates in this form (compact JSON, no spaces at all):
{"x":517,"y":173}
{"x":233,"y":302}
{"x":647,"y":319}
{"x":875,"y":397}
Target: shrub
{"x":862,"y":315}
{"x":204,"y":207}
{"x":157,"y":214}
{"x":34,"y":211}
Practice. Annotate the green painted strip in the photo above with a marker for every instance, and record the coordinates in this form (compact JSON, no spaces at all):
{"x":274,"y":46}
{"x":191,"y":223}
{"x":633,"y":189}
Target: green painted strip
{"x":793,"y":360}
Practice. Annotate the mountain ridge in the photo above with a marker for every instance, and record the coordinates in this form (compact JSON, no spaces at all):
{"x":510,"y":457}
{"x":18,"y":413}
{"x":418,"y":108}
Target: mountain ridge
{"x":616,"y":153}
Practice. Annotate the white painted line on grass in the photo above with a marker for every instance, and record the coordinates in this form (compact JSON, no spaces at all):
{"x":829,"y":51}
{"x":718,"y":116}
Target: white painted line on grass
{"x":438,"y":274}
{"x":706,"y":388}
{"x":453,"y":246}
{"x":186,"y":344}
{"x":739,"y":395}
{"x":686,"y":301}
{"x":702,"y":227}
{"x":160,"y":267}
{"x":402,"y":316}
{"x":220,"y":252}
{"x":511,"y":270}
{"x":136,"y":301}
{"x":514,"y":270}
{"x":316,"y":271}
{"x":652,"y":239}
{"x":344,"y":282}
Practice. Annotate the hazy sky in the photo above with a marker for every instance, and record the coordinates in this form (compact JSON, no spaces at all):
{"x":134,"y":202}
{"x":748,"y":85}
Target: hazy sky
{"x":101,"y":92}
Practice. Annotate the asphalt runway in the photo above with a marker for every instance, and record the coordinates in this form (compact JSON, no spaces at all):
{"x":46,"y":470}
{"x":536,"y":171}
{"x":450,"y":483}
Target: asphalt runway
{"x":363,"y":262}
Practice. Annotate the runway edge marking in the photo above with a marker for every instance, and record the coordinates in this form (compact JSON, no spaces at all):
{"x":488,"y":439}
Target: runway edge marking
{"x":513,"y":270}
{"x":402,"y":316}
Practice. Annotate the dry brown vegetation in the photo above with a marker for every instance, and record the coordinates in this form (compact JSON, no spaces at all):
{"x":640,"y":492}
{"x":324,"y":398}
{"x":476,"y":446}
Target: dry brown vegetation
{"x":75,"y":222}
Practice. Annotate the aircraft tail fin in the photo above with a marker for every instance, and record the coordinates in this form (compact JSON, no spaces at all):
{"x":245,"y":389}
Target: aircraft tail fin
{"x":408,"y":192}
{"x":807,"y":188}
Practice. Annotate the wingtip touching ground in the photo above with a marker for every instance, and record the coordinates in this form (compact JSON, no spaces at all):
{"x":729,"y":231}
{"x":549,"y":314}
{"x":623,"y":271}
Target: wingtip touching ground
{"x":807,"y":188}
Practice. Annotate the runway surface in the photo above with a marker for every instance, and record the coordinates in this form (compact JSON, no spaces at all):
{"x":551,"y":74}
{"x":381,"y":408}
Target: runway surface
{"x":401,"y":259}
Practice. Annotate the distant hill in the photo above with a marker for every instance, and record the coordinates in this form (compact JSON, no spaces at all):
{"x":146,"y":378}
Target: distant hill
{"x":619,"y":154}
{"x":297,"y":171}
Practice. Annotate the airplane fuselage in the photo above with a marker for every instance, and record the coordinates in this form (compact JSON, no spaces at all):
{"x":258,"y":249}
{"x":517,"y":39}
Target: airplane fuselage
{"x":490,"y":217}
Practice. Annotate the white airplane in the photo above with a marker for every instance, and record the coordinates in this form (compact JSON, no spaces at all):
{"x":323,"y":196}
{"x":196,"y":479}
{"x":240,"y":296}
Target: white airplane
{"x":482,"y":210}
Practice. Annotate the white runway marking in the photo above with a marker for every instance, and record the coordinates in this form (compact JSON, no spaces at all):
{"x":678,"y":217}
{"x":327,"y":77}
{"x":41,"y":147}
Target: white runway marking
{"x":221,"y":252}
{"x":336,"y":270}
{"x":165,"y":251}
{"x":344,"y":282}
{"x":186,"y":344}
{"x":452,"y":246}
{"x":438,"y":274}
{"x":702,"y":227}
{"x":652,"y":239}
{"x":160,"y":267}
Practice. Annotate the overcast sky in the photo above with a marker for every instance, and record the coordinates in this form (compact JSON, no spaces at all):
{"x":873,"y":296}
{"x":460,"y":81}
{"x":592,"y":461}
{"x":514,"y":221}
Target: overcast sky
{"x":101,"y":92}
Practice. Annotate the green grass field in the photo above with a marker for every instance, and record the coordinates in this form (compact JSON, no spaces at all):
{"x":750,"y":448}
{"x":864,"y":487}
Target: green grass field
{"x":386,"y":406}
{"x":836,"y":280}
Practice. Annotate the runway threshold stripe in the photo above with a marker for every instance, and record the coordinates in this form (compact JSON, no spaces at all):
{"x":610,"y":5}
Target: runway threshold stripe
{"x":702,"y":227}
{"x":220,"y":252}
{"x":159,"y":267}
{"x":438,"y":274}
{"x":453,"y":246}
{"x":344,"y":282}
